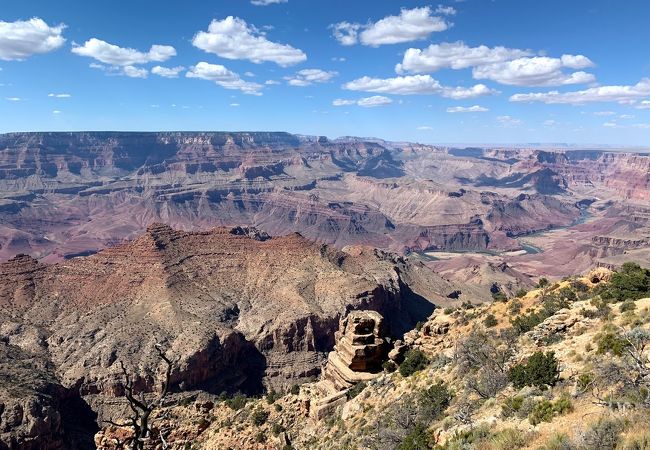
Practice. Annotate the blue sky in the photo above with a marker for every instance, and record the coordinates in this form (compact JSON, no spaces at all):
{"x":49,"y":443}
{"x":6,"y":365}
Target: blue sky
{"x":501,"y":71}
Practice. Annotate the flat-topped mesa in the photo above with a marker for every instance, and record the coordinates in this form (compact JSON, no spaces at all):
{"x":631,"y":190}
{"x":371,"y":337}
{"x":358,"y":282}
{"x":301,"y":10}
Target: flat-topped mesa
{"x":359,"y":352}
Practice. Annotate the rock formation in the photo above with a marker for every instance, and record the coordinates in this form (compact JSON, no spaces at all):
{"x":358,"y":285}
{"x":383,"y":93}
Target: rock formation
{"x":237,"y":309}
{"x":357,"y":357}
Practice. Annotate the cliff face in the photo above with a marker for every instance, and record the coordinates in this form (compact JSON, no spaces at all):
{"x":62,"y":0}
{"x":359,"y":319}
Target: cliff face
{"x":238,"y":309}
{"x":69,"y":194}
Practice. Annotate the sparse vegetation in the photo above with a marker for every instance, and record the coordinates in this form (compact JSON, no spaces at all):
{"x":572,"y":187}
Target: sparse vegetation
{"x":540,"y":370}
{"x":414,"y":360}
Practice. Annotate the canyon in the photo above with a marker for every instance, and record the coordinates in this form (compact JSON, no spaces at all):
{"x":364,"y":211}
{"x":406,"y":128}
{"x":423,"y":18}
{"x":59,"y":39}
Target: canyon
{"x":64,"y":195}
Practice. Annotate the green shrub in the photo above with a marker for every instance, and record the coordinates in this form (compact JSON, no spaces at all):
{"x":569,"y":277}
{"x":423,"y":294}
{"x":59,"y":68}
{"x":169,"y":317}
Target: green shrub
{"x":526,"y":322}
{"x":417,"y":438}
{"x":490,"y":321}
{"x":389,"y":366}
{"x":627,"y":305}
{"x":414,"y":361}
{"x":511,"y":406}
{"x":542,"y":412}
{"x":542,"y":283}
{"x":276,"y":429}
{"x":295,"y":389}
{"x":356,"y":390}
{"x":608,"y":341}
{"x":435,"y":400}
{"x":540,"y":370}
{"x":499,"y":296}
{"x":631,"y":282}
{"x":237,"y":402}
{"x":272,"y":396}
{"x":259,"y":417}
{"x":521,"y":292}
{"x":260,"y":437}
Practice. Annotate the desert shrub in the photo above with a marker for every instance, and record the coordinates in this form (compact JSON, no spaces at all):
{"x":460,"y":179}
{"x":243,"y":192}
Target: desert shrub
{"x":542,"y":412}
{"x":507,"y":439}
{"x":631,"y":282}
{"x":414,"y":360}
{"x":272,"y":396}
{"x":483,"y":360}
{"x":448,"y":310}
{"x":563,"y":405}
{"x":259,"y":417}
{"x":260,"y":438}
{"x":435,"y":400}
{"x":579,"y":286}
{"x":526,"y":322}
{"x":540,"y":370}
{"x":603,"y":434}
{"x":389,"y":366}
{"x":542,"y":283}
{"x":521,"y":292}
{"x":499,"y":296}
{"x":608,"y":341}
{"x":417,"y":438}
{"x":490,"y":321}
{"x":568,"y":294}
{"x":295,"y":389}
{"x":277,"y":407}
{"x":584,"y":380}
{"x":356,"y":390}
{"x":514,"y":307}
{"x":511,"y":406}
{"x":276,"y":429}
{"x":635,"y":441}
{"x":558,"y":441}
{"x":236,"y":402}
{"x":419,"y":325}
{"x":627,"y":305}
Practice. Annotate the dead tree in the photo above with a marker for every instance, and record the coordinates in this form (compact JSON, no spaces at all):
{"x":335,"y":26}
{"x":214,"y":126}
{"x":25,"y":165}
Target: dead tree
{"x":141,"y":408}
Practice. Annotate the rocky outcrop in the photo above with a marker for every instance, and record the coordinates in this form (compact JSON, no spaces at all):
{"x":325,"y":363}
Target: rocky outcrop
{"x":357,"y":357}
{"x":237,"y":308}
{"x":359,"y":351}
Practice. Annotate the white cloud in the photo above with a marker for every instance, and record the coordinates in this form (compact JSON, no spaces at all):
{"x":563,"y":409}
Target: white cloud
{"x":424,"y":128}
{"x":127,"y":71}
{"x":409,"y":25}
{"x":415,"y":84}
{"x":645,"y":104}
{"x":468,"y":109}
{"x":223,"y":77}
{"x":233,"y":38}
{"x":367,"y":102}
{"x":118,"y":56}
{"x":346,"y":33}
{"x":267,"y":2}
{"x":621,"y":94}
{"x":550,"y":123}
{"x":307,"y":77}
{"x":374,"y":101}
{"x":13,"y":99}
{"x":454,"y":55}
{"x":508,"y":121}
{"x":234,"y":104}
{"x":167,"y":72}
{"x":626,"y":116}
{"x":59,"y":95}
{"x":249,"y":74}
{"x":535,"y":71}
{"x":446,"y":10}
{"x":604,"y":113}
{"x":56,"y":111}
{"x":271,"y":82}
{"x":24,"y":38}
{"x":135,"y":72}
